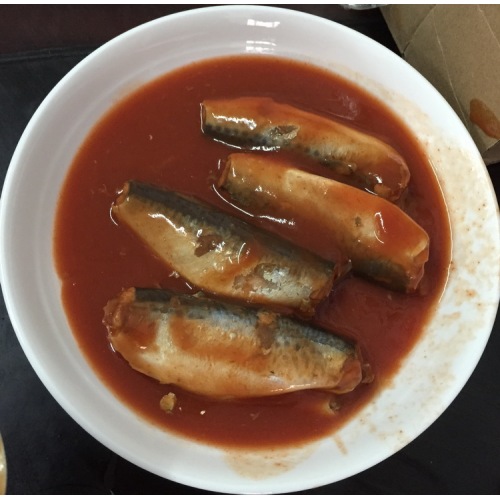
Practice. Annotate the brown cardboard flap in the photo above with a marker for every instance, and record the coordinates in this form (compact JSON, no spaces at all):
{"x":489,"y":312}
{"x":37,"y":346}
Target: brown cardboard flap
{"x":457,"y":48}
{"x":403,"y":22}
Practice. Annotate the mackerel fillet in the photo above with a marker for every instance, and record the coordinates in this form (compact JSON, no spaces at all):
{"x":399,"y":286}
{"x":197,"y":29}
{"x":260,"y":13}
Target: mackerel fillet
{"x":260,"y":123}
{"x":223,"y":350}
{"x":382,"y":242}
{"x":221,"y":254}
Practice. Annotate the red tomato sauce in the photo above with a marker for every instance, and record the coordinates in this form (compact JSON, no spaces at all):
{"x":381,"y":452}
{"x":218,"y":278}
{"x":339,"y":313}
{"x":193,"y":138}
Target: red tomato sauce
{"x":154,"y":136}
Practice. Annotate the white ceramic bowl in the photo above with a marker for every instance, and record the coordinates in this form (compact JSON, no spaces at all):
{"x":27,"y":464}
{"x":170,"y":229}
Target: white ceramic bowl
{"x":434,"y":372}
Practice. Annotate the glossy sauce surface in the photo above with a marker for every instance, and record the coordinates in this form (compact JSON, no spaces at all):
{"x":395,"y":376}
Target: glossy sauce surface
{"x":154,"y":136}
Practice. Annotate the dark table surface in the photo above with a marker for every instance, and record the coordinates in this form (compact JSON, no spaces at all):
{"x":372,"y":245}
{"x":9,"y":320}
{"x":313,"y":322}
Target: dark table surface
{"x":47,"y":452}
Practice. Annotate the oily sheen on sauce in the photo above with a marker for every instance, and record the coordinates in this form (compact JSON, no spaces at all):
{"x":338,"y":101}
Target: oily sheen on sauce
{"x":154,"y":136}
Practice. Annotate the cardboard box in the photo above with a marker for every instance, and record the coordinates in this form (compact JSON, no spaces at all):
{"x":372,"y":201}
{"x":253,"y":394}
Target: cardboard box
{"x":457,"y":48}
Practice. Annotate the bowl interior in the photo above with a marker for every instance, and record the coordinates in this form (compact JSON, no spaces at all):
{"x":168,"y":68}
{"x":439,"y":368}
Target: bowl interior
{"x":434,"y":372}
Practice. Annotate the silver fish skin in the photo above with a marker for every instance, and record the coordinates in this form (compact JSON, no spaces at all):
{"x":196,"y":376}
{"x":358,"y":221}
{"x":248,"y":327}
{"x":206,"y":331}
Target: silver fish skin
{"x":261,"y":123}
{"x":221,"y":254}
{"x":223,"y":350}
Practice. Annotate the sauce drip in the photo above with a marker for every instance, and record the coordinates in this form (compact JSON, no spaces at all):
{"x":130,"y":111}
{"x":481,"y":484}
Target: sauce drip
{"x":481,"y":115}
{"x":154,"y":136}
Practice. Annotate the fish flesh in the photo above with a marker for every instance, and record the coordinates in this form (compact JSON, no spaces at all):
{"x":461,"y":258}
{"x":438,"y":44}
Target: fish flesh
{"x":383,"y":242}
{"x":221,"y":254}
{"x":261,"y":123}
{"x":224,"y":350}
